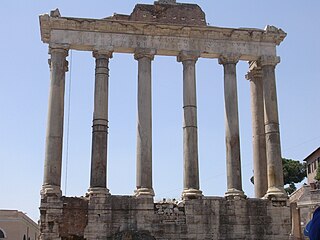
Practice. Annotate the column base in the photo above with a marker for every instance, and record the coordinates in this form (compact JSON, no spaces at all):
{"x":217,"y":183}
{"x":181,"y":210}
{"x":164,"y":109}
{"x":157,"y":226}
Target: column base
{"x":277,"y":194}
{"x":191,"y":193}
{"x":144,"y":192}
{"x":99,"y":204}
{"x":98,"y":191}
{"x":235,"y":194}
{"x":50,"y":190}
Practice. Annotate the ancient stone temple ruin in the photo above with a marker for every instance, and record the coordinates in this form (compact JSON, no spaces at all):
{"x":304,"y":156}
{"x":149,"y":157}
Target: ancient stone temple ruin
{"x":179,"y":30}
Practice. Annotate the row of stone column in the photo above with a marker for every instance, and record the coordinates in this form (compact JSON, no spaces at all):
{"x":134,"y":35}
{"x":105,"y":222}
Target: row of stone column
{"x":266,"y":138}
{"x":267,"y":160}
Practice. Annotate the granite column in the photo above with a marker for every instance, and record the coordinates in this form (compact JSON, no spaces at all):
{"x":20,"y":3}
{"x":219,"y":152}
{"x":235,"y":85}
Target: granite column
{"x":274,"y":159}
{"x":190,"y":128}
{"x":258,"y":138}
{"x":98,"y":181}
{"x":234,"y":180}
{"x":144,"y":124}
{"x":54,"y":139}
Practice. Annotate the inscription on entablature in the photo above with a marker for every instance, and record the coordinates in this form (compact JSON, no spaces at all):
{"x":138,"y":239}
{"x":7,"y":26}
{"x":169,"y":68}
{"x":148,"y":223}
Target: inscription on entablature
{"x":165,"y":45}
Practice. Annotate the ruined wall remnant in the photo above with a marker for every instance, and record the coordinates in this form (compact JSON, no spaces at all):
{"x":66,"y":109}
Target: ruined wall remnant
{"x":207,"y":218}
{"x":181,"y":14}
{"x":74,"y":218}
{"x":165,"y":12}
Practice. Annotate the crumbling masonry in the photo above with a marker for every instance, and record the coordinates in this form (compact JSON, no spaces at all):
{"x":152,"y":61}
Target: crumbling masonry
{"x":179,"y":30}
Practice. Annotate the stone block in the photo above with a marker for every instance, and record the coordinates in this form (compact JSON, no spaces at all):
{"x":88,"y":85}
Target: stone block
{"x":209,"y":218}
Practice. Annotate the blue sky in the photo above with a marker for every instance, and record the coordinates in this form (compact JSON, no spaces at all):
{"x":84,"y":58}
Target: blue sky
{"x":25,"y":86}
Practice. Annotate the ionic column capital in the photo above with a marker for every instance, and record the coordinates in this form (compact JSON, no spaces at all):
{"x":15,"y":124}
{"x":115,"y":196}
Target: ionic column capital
{"x":144,"y":52}
{"x":62,"y":48}
{"x":229,"y":58}
{"x":188,"y":55}
{"x":62,"y":51}
{"x":106,"y":54}
{"x":269,"y":60}
{"x":255,"y":71}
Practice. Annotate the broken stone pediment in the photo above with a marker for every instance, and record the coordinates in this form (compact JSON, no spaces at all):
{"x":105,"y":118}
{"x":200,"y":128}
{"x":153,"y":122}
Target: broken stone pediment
{"x":273,"y":29}
{"x":55,"y":13}
{"x":166,"y":12}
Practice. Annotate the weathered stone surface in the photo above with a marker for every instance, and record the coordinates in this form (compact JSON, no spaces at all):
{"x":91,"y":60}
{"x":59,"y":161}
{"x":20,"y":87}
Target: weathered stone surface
{"x":207,"y":218}
{"x":258,"y":132}
{"x":166,"y":12}
{"x":51,"y":211}
{"x":74,"y":218}
{"x":132,"y":235}
{"x":100,"y":121}
{"x":273,"y":148}
{"x":124,"y":35}
{"x":234,"y":180}
{"x":144,"y":123}
{"x":191,"y":185}
{"x":54,"y":139}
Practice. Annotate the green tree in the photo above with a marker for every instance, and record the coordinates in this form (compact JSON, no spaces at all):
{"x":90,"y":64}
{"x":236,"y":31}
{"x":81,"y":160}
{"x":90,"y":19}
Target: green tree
{"x":317,"y":177}
{"x":291,"y":188}
{"x":293,"y":172}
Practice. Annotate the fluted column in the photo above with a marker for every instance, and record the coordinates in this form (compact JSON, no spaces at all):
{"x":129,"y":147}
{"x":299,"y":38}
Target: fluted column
{"x":273,"y":149}
{"x":190,"y":128}
{"x":258,"y":138}
{"x":98,"y":181}
{"x":54,"y":139}
{"x":234,"y":181}
{"x":144,"y":124}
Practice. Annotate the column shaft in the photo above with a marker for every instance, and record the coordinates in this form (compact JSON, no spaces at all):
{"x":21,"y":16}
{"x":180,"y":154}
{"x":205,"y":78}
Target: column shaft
{"x":54,"y":138}
{"x":258,"y":139}
{"x":273,"y":149}
{"x":190,"y":129}
{"x":144,"y":124}
{"x":234,"y":180}
{"x":100,"y":123}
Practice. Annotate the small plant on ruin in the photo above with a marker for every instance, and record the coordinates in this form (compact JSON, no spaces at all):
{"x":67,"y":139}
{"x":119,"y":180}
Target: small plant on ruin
{"x":317,"y":177}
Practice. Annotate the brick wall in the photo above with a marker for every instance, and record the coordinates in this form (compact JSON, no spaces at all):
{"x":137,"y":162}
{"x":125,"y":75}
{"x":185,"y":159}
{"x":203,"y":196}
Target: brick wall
{"x":74,"y":218}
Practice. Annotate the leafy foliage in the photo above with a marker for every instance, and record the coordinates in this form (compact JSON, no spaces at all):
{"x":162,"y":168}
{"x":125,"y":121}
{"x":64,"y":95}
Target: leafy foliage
{"x":292,"y":187}
{"x":293,"y":172}
{"x":317,"y":177}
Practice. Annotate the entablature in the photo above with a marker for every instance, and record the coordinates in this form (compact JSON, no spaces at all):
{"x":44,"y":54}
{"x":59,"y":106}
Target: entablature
{"x":125,"y":36}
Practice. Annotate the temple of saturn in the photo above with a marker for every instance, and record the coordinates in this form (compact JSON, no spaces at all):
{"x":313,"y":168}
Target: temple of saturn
{"x":179,"y":30}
